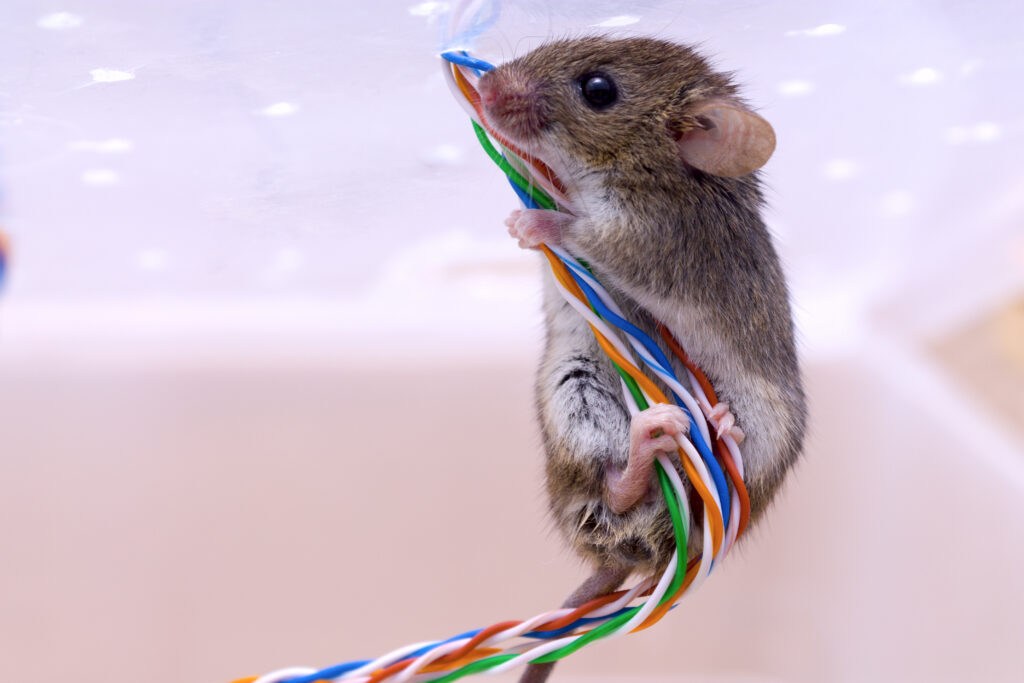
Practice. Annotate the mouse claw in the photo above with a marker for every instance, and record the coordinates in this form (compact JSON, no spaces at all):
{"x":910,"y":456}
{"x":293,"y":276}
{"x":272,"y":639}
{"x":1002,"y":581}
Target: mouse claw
{"x":721,"y":416}
{"x":534,"y":227}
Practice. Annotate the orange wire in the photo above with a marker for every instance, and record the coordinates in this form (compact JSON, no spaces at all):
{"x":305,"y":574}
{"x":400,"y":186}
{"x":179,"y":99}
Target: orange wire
{"x":461,"y":661}
{"x":677,"y":349}
{"x":715,"y":520}
{"x":466,"y":653}
{"x":662,"y":609}
{"x":720,"y":447}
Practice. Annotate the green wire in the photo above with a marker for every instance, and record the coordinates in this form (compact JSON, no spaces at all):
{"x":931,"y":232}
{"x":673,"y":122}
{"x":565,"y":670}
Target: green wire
{"x":608,"y":627}
{"x":671,"y":500}
{"x":515,"y":176}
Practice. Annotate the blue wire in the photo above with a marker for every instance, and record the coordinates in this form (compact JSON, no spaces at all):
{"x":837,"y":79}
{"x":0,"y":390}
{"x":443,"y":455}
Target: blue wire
{"x":339,"y":669}
{"x":547,"y":635}
{"x":575,"y":270}
{"x":463,"y":59}
{"x":698,"y":439}
{"x":523,"y":197}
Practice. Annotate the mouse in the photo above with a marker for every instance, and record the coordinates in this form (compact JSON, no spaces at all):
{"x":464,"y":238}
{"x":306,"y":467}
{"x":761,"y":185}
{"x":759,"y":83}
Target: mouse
{"x":659,"y":156}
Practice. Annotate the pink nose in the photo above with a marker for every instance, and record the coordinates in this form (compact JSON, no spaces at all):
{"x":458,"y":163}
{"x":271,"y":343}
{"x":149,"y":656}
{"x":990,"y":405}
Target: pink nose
{"x":512,"y":103}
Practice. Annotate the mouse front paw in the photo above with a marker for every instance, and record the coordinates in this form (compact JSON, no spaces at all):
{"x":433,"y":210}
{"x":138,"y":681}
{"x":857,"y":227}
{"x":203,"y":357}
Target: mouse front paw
{"x":534,"y":227}
{"x":652,"y":431}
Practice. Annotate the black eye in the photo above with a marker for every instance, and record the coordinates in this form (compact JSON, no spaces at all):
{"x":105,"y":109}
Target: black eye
{"x":598,"y":90}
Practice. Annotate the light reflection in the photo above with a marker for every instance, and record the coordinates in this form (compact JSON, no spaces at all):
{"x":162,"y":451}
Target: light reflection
{"x":795,"y":88}
{"x":110,"y":75}
{"x":151,"y":259}
{"x":621,"y":20}
{"x":426,"y":9}
{"x":841,"y":169}
{"x":280,"y":109}
{"x":923,"y":76}
{"x":59,"y":21}
{"x":100,"y":177}
{"x":111,"y":146}
{"x":443,"y":155}
{"x":819,"y":31}
{"x":984,"y":131}
{"x":897,"y":203}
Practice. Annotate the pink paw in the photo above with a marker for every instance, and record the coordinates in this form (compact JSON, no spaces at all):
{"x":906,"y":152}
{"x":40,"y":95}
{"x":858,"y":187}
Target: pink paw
{"x":653,"y":431}
{"x":534,"y":227}
{"x":726,"y":422}
{"x":656,"y":429}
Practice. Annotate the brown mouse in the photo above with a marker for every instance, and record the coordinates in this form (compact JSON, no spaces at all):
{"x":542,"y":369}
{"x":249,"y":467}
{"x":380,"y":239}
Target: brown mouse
{"x":659,"y":158}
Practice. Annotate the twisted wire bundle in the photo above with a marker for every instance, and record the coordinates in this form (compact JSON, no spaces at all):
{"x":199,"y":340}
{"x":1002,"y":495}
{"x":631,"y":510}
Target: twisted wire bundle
{"x":717,"y":481}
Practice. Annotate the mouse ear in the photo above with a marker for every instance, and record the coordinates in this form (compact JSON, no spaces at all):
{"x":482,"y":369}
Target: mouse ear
{"x":728,"y":140}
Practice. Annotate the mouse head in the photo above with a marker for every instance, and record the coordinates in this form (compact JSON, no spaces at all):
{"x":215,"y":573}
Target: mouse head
{"x":603,"y":103}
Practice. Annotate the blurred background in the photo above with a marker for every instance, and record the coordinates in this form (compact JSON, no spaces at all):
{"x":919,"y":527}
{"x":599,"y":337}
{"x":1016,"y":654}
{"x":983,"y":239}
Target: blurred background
{"x":266,"y":351}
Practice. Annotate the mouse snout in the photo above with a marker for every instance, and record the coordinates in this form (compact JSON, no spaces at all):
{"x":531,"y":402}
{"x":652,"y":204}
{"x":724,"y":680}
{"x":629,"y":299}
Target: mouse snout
{"x":512,"y":104}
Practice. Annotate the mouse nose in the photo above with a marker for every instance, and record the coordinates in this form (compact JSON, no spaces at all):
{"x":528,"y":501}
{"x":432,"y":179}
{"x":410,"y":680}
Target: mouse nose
{"x":512,"y":103}
{"x":485,"y":86}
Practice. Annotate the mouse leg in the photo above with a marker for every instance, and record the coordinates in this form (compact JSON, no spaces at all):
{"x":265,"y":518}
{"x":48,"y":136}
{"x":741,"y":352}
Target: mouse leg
{"x":726,"y":422}
{"x":533,"y":227}
{"x":651,"y":431}
{"x":603,"y":581}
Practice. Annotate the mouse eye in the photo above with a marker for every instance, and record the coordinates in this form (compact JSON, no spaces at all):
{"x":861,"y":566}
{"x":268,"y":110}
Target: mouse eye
{"x":598,"y":90}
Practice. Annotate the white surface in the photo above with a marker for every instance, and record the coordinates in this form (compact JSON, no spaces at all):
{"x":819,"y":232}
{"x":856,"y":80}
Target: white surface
{"x":259,"y":154}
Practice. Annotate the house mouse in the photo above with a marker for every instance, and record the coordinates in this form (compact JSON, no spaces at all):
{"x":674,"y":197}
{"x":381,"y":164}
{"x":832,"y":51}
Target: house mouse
{"x":658,"y":155}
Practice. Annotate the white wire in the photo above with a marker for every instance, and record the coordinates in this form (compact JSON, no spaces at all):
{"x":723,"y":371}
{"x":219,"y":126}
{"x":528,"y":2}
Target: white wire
{"x":386,"y":660}
{"x":613,"y":607}
{"x":687,"y":396}
{"x":638,"y":618}
{"x":601,"y":325}
{"x":685,"y":444}
{"x":449,"y":77}
{"x":649,"y":606}
{"x":429,"y":656}
{"x":641,"y":350}
{"x":702,"y":469}
{"x":285,"y":674}
{"x":677,"y":484}
{"x":410,"y":674}
{"x":734,"y":454}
